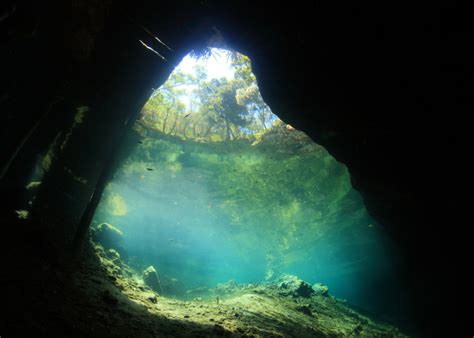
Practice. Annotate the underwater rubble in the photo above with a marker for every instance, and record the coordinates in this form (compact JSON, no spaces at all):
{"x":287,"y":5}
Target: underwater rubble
{"x":285,"y":307}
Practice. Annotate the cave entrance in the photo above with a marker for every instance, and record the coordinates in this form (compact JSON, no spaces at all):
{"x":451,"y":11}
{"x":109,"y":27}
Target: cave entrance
{"x":213,"y":187}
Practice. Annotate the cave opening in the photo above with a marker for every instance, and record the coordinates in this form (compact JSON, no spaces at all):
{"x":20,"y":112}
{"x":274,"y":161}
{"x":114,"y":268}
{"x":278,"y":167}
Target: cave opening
{"x":215,"y":195}
{"x":382,"y":88}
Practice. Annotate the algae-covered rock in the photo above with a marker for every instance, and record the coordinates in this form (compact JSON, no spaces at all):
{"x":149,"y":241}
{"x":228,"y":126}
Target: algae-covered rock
{"x":321,"y":289}
{"x":113,"y":255}
{"x":150,"y":278}
{"x":292,"y":285}
{"x":109,"y":236}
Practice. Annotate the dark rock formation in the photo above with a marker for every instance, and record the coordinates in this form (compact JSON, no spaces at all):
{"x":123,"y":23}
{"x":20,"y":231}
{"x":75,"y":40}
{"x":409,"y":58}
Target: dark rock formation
{"x":113,"y":255}
{"x":150,"y":278}
{"x":292,"y":285}
{"x":106,"y":234}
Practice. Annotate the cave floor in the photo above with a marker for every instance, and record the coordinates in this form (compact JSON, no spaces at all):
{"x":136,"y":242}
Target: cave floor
{"x":100,"y":297}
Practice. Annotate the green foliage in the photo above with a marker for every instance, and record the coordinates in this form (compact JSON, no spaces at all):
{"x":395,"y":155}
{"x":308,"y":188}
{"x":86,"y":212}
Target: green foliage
{"x":243,"y":69}
{"x":217,"y":109}
{"x":163,"y":110}
{"x":224,"y":114}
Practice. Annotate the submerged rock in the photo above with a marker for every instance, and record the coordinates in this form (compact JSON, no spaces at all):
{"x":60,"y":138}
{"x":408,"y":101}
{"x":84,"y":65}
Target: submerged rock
{"x":292,"y":285}
{"x":274,"y":310}
{"x":150,"y":278}
{"x":113,"y":255}
{"x":109,"y":236}
{"x":321,"y":289}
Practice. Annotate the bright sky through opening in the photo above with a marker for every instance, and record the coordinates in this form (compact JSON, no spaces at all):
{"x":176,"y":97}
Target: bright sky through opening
{"x":216,"y":66}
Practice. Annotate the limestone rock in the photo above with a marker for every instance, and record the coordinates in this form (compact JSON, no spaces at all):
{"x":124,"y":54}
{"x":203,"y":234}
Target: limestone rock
{"x":113,"y":255}
{"x":109,"y":236}
{"x":292,"y":285}
{"x":321,"y":289}
{"x":150,"y":278}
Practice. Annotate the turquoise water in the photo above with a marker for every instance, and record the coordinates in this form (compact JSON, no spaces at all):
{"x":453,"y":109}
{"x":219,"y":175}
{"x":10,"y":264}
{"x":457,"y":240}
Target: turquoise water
{"x":205,"y":203}
{"x":208,"y":213}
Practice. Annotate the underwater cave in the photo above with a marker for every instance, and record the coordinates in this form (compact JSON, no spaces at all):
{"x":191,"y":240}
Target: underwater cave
{"x":228,"y":169}
{"x":214,"y":188}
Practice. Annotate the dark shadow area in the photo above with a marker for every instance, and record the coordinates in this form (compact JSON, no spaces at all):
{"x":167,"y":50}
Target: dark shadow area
{"x":52,"y":295}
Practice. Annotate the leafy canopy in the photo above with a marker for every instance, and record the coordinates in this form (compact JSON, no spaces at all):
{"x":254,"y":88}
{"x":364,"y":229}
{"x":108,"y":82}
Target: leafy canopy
{"x":192,"y":106}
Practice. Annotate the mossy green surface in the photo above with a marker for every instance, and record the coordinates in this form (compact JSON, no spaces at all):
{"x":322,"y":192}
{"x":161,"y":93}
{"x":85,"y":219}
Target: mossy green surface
{"x":287,"y":190}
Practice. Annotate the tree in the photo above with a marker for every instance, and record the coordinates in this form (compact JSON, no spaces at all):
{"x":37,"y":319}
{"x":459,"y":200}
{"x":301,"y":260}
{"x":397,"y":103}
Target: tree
{"x":162,"y":111}
{"x":258,"y":110}
{"x":219,"y":101}
{"x":216,"y":110}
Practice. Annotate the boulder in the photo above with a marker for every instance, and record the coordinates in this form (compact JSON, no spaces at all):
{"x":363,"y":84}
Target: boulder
{"x":150,"y":278}
{"x":321,"y":289}
{"x":109,"y":236}
{"x":293,"y":286}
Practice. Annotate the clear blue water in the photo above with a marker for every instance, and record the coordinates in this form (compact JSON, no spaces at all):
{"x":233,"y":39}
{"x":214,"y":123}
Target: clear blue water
{"x":206,"y":212}
{"x":178,"y":219}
